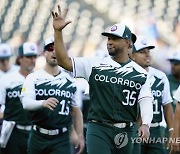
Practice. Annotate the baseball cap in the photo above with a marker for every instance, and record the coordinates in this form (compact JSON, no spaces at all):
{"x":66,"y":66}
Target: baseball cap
{"x":122,"y":31}
{"x":175,"y":57}
{"x":141,"y":43}
{"x":5,"y":51}
{"x":28,"y":49}
{"x":48,"y":41}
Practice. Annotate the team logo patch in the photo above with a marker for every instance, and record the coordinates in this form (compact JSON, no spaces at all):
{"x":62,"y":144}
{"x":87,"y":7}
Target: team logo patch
{"x":113,"y":28}
{"x":144,"y":42}
{"x":32,"y":47}
{"x":23,"y":89}
{"x":121,"y":140}
{"x":4,"y":51}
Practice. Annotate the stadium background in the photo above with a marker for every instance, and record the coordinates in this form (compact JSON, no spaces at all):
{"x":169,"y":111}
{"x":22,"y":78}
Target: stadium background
{"x":30,"y":20}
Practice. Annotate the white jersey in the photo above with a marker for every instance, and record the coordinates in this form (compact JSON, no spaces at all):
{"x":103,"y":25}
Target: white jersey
{"x":161,"y":93}
{"x":12,"y":69}
{"x":38,"y":87}
{"x":10,"y":89}
{"x":177,"y":94}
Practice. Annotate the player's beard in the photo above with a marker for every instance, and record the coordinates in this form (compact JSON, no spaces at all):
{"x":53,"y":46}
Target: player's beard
{"x":52,"y":62}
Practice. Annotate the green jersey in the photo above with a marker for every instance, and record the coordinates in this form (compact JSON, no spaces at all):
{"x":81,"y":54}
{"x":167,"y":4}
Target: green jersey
{"x":115,"y":89}
{"x":39,"y":86}
{"x":10,"y":89}
{"x":160,"y":91}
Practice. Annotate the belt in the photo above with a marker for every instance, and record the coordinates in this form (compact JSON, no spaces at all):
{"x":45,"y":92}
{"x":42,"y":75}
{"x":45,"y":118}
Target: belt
{"x":23,"y":127}
{"x":118,"y":125}
{"x":49,"y":132}
{"x":155,"y":124}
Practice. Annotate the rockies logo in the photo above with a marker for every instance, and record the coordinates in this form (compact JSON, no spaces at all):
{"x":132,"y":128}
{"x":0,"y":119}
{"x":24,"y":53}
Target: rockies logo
{"x":121,"y":140}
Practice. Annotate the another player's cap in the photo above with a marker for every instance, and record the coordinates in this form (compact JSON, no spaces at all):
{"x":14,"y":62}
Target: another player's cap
{"x":122,"y":31}
{"x":28,"y":49}
{"x":175,"y":57}
{"x":141,"y":43}
{"x":5,"y":51}
{"x":48,"y":41}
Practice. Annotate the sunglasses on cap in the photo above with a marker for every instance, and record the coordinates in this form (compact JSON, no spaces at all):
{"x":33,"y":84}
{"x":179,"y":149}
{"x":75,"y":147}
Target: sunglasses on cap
{"x":49,"y":48}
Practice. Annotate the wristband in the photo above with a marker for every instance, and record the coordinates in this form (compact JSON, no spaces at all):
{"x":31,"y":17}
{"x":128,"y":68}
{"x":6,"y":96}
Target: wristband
{"x":171,"y":129}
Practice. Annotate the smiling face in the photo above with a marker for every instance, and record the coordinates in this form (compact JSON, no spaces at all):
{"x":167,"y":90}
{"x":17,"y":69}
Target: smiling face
{"x":116,"y":45}
{"x":50,"y":55}
{"x":142,"y":57}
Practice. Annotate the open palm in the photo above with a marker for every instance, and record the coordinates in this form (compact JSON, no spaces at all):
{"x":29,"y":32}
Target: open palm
{"x":59,"y":19}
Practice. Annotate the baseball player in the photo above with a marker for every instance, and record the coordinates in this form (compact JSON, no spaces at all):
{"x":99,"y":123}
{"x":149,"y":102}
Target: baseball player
{"x":49,"y":94}
{"x":176,"y":146}
{"x":5,"y":54}
{"x":174,"y":77}
{"x":10,"y":88}
{"x":117,"y":87}
{"x":161,"y":93}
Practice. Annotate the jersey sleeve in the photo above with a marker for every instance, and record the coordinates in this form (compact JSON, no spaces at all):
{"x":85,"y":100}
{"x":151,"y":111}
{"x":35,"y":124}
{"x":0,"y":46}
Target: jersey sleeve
{"x":2,"y":91}
{"x":177,"y":94}
{"x":166,"y":99}
{"x":76,"y":99}
{"x":145,"y":92}
{"x":82,"y":67}
{"x":28,"y":96}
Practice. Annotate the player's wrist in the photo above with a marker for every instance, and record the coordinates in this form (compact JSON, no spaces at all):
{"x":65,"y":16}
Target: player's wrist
{"x":171,"y":129}
{"x":145,"y":125}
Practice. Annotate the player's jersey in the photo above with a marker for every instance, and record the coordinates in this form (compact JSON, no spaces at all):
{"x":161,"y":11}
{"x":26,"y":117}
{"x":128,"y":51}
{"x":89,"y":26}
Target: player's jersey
{"x":40,"y":86}
{"x":160,"y":91}
{"x":12,"y":69}
{"x":115,"y":88}
{"x":10,"y":89}
{"x":173,"y":87}
{"x":177,"y":94}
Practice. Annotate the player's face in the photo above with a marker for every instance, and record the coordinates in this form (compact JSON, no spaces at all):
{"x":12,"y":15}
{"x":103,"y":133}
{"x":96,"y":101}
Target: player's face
{"x":50,"y":55}
{"x":116,"y":45}
{"x":28,"y":63}
{"x":142,"y":57}
{"x":4,"y":64}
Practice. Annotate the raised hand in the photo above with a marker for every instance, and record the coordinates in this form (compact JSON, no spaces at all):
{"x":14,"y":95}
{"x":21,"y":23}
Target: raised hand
{"x":59,"y":19}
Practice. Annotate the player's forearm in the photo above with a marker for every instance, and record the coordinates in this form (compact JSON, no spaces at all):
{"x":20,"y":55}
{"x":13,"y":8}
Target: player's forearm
{"x":168,"y":114}
{"x":61,"y":54}
{"x":146,"y":108}
{"x":31,"y":104}
{"x":78,"y":121}
{"x":177,"y":121}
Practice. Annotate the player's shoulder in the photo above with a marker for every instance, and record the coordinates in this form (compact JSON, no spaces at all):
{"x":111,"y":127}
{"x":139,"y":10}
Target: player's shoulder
{"x":36,"y":74}
{"x":67,"y":75}
{"x":10,"y":75}
{"x":137,"y":67}
{"x":158,"y":73}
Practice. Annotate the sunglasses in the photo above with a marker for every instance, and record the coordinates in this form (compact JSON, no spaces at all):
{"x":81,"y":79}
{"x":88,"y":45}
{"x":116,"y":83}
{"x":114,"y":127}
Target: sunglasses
{"x":50,"y":47}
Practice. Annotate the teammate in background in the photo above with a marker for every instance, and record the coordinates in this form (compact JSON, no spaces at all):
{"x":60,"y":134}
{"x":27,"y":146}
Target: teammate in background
{"x":10,"y":88}
{"x":174,"y":78}
{"x":49,"y":94}
{"x":5,"y":54}
{"x":161,"y":93}
{"x":176,"y":146}
{"x":117,"y":86}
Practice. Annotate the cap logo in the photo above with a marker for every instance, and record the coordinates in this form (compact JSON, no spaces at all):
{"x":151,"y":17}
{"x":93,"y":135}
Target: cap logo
{"x":113,"y":28}
{"x":32,"y":47}
{"x":144,"y":42}
{"x":4,"y":51}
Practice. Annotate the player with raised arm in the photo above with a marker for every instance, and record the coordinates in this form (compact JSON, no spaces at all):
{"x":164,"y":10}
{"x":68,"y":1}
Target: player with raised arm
{"x":117,"y":87}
